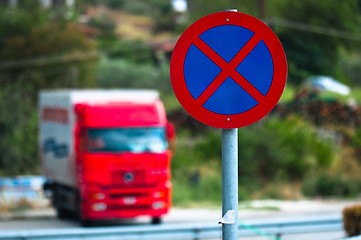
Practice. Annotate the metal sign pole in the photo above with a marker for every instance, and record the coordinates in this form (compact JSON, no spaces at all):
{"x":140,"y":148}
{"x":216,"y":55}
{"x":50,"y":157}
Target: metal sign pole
{"x":210,"y":72}
{"x":229,"y":184}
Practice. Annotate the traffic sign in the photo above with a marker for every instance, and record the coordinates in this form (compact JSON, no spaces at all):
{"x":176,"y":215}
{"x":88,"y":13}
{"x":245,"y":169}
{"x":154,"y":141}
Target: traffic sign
{"x":228,"y":70}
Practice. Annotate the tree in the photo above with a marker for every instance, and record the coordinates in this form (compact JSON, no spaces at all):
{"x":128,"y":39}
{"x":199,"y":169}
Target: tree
{"x":159,"y":10}
{"x":200,"y":8}
{"x":35,"y":54}
{"x":309,"y":38}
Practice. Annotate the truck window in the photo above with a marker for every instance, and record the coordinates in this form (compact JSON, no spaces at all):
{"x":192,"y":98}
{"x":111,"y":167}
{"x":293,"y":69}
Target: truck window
{"x":135,"y":140}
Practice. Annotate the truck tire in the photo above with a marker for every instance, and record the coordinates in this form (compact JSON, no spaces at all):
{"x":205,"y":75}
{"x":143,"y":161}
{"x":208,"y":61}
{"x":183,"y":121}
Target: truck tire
{"x":156,"y":220}
{"x":62,"y":213}
{"x":87,"y":223}
{"x":59,"y":196}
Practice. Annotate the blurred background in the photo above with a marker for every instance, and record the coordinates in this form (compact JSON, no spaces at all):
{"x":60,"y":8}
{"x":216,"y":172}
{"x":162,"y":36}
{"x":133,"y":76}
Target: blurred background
{"x":308,"y":147}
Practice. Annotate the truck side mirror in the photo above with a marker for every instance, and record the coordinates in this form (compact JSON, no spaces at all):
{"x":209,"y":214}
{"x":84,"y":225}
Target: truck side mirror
{"x":170,"y":131}
{"x":171,"y":136}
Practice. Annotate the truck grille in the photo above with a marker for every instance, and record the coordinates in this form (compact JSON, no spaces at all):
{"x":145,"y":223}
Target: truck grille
{"x":124,"y":195}
{"x":127,"y":207}
{"x":131,"y":179}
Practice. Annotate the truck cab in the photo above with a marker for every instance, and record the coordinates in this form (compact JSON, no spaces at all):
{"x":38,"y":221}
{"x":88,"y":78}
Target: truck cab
{"x":118,"y":162}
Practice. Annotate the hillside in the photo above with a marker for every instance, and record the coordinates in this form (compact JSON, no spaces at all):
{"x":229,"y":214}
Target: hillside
{"x":128,"y":26}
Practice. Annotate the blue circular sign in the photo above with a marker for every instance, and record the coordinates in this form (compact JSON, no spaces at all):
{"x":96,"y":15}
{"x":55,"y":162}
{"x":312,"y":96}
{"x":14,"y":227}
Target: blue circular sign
{"x":228,"y":70}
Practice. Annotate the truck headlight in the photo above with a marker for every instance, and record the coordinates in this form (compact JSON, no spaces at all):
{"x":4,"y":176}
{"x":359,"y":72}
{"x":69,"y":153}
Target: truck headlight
{"x":98,"y":207}
{"x":158,"y":205}
{"x":98,"y":196}
{"x":158,"y":194}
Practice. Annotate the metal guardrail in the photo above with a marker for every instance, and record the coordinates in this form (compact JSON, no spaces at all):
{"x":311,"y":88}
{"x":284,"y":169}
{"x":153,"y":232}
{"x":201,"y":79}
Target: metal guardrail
{"x":269,"y":230}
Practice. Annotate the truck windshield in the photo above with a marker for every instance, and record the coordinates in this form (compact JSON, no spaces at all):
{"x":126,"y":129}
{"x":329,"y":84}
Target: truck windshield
{"x":134,"y":140}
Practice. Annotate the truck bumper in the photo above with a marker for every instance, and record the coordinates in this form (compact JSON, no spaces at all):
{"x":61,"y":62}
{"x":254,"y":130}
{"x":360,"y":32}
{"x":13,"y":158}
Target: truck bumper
{"x":126,"y":204}
{"x":122,"y":214}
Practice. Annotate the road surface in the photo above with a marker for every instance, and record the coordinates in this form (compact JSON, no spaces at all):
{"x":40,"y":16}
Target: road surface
{"x":248,"y":213}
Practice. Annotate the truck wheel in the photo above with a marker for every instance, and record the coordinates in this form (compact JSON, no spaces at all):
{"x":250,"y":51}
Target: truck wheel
{"x":156,"y":220}
{"x":87,"y":223}
{"x":64,"y":213}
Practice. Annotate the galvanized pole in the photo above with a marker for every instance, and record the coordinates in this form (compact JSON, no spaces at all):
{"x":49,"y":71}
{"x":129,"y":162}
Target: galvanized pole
{"x":229,"y":184}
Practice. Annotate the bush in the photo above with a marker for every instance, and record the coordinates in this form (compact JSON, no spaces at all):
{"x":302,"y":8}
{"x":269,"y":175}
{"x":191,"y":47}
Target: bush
{"x":135,"y":51}
{"x":281,"y":149}
{"x":352,"y":220}
{"x":356,"y":141}
{"x":327,"y":185}
{"x":18,"y":129}
{"x":198,"y":184}
{"x":125,"y":74}
{"x":104,"y":23}
{"x":273,"y":150}
{"x":351,"y":66}
{"x":197,"y":176}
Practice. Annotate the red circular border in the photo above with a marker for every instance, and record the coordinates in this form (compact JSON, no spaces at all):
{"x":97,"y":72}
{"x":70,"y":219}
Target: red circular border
{"x":232,"y":120}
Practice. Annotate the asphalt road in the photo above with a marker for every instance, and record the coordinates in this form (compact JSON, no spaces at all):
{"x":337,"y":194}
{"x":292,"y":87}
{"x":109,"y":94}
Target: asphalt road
{"x":249,"y":213}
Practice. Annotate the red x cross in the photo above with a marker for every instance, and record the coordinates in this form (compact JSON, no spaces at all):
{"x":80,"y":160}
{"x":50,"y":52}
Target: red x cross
{"x":228,"y":69}
{"x":266,"y":101}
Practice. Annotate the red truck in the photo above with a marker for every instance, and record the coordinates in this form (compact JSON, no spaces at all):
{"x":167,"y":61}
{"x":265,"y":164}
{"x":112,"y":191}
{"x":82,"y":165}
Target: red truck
{"x":106,"y":153}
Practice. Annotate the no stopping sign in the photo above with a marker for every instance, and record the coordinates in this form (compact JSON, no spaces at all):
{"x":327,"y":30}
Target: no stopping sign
{"x":228,"y":70}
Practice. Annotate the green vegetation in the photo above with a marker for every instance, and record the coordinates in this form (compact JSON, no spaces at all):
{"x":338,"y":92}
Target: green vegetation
{"x":302,"y":46}
{"x":274,"y":150}
{"x":35,"y":54}
{"x":126,"y":74}
{"x":327,"y":185}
